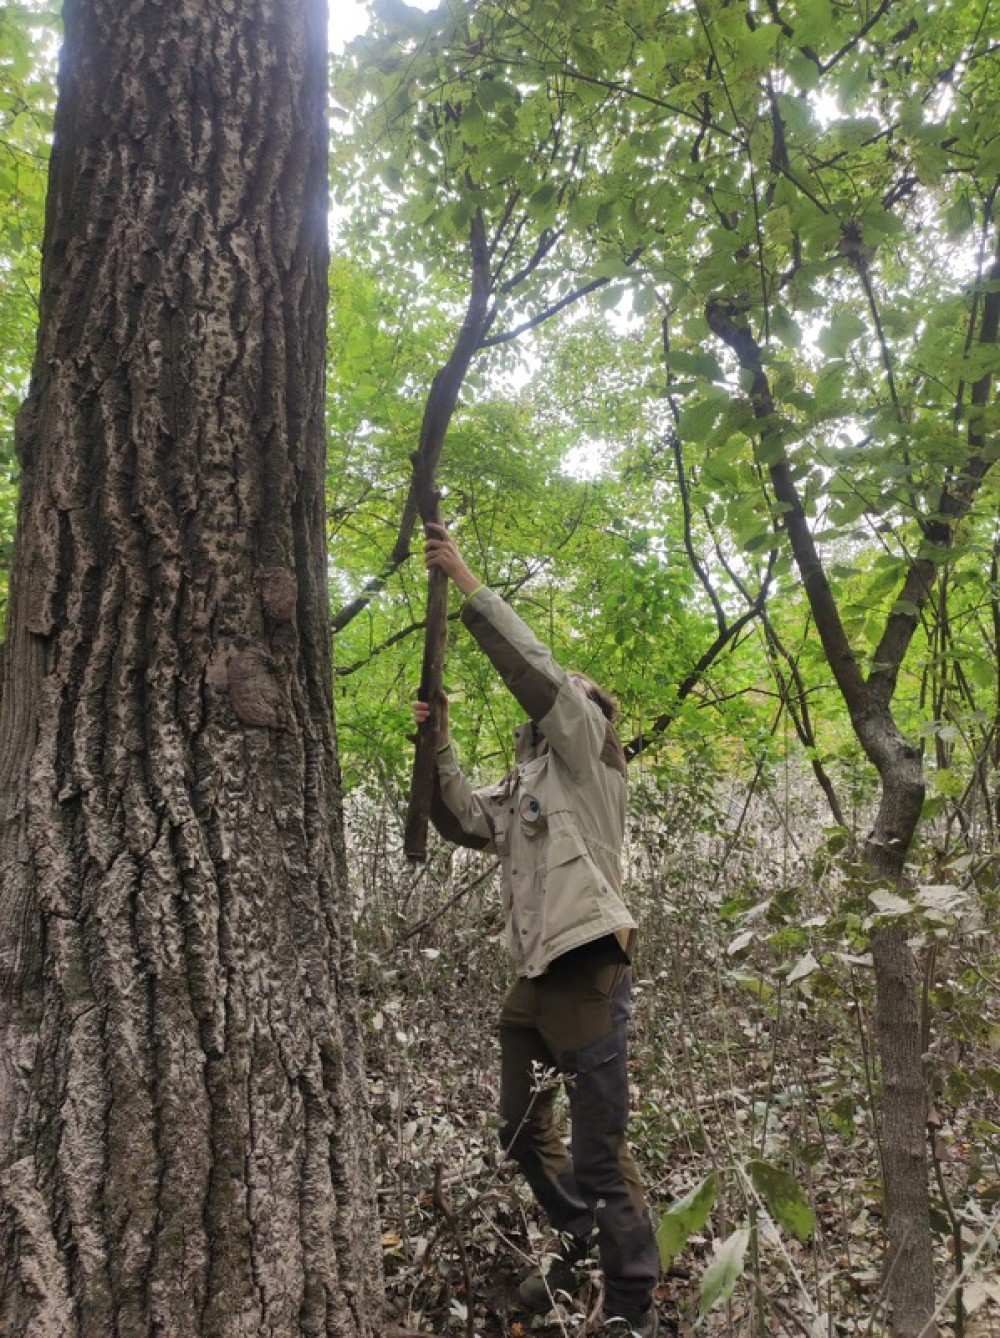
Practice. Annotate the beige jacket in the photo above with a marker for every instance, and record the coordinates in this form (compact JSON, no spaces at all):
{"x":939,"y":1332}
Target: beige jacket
{"x":557,"y":820}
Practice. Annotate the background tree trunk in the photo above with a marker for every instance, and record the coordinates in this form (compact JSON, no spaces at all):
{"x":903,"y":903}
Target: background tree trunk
{"x":910,"y":1259}
{"x":910,"y":1272}
{"x":183,"y":1131}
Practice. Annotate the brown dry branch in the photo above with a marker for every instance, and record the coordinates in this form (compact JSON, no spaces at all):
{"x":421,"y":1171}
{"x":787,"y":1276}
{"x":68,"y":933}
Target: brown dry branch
{"x":440,"y":406}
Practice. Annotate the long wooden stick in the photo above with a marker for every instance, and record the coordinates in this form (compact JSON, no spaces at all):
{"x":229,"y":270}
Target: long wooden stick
{"x":440,"y":406}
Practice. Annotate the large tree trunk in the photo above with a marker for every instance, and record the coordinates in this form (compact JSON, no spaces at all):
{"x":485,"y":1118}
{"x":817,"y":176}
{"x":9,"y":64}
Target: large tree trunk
{"x":183,"y":1133}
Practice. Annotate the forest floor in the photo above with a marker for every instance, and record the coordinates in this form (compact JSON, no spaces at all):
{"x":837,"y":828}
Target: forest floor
{"x":730,"y":1066}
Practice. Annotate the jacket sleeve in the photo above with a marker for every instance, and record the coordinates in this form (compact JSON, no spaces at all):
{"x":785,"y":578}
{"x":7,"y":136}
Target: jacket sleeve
{"x":574,"y":726}
{"x":457,"y":810}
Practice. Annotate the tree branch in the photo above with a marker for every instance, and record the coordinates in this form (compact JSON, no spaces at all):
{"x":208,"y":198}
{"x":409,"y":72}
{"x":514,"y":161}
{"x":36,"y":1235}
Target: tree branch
{"x":508,"y":336}
{"x":863,"y":698}
{"x":722,"y":321}
{"x":954,"y":504}
{"x":440,"y":406}
{"x":878,"y":13}
{"x":797,"y":701}
{"x":685,"y":492}
{"x":616,"y":86}
{"x":400,"y":553}
{"x":508,"y":592}
{"x":663,"y":722}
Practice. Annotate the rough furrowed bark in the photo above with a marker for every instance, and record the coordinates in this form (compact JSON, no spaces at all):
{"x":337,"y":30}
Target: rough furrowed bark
{"x":183,"y":1138}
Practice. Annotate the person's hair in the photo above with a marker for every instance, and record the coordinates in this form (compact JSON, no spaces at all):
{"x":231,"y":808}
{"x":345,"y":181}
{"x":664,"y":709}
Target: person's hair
{"x":609,"y":707}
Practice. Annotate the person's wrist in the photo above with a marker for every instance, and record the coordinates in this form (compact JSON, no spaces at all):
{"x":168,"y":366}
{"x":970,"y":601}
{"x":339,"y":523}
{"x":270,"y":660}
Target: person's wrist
{"x":467,"y":581}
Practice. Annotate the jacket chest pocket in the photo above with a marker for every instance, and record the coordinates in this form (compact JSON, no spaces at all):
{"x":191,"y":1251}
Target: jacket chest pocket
{"x":569,"y":873}
{"x":564,"y":847}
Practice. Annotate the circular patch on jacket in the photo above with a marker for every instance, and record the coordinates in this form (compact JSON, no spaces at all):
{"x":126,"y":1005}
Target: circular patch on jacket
{"x":530,"y":809}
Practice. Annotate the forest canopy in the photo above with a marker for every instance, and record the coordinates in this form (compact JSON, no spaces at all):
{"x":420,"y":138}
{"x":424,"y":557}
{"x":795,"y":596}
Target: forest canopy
{"x":725,"y":433}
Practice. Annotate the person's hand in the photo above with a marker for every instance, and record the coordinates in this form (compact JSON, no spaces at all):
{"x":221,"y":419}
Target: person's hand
{"x":422,"y":711}
{"x":440,"y":550}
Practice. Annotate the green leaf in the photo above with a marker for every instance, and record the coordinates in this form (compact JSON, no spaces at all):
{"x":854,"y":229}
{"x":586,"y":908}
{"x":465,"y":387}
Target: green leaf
{"x":698,"y":362}
{"x":854,"y":82}
{"x":473,"y":122}
{"x":841,"y":333}
{"x":759,"y":541}
{"x":756,"y":49}
{"x":723,"y":1273}
{"x":785,"y":1200}
{"x":785,"y":328}
{"x":980,"y":669}
{"x":755,"y":985}
{"x":880,"y":223}
{"x":813,"y":22}
{"x":611,"y":296}
{"x":543,"y":203}
{"x":842,"y":1115}
{"x":698,"y":418}
{"x":804,"y":71}
{"x":493,"y":92}
{"x":683,"y":1218}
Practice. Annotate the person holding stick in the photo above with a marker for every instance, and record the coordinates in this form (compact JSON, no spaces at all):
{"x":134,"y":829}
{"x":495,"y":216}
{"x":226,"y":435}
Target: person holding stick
{"x":556,"y":822}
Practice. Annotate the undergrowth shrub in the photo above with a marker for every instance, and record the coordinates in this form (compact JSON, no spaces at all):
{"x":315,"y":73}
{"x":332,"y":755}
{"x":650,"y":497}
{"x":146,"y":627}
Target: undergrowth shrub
{"x":754,"y":1077}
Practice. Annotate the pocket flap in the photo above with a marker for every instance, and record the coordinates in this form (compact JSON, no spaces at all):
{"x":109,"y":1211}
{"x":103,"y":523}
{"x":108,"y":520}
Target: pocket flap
{"x":564,"y":846}
{"x":598,"y":1052}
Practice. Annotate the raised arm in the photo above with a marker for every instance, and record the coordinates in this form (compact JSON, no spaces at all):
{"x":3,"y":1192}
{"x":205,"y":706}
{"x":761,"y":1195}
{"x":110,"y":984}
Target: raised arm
{"x":574,"y":726}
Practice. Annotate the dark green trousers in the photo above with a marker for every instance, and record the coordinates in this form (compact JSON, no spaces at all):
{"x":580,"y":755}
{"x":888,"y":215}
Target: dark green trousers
{"x":574,"y":1020}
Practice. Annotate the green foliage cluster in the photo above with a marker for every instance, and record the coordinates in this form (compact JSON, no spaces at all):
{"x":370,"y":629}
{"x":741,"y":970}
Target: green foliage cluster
{"x":28,"y":40}
{"x":826,"y":174}
{"x":831,"y":173}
